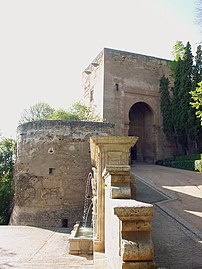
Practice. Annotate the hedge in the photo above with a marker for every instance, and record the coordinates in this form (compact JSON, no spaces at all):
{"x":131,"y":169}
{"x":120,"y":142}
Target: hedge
{"x":190,"y":162}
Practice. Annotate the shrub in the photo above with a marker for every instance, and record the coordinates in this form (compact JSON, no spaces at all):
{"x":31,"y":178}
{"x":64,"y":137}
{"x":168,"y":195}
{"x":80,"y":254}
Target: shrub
{"x":198,"y":165}
{"x":189,"y":162}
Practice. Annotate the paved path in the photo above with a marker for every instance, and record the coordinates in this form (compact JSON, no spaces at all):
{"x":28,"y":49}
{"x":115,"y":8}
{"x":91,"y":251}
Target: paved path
{"x":177,"y":227}
{"x":177,"y":223}
{"x":24,"y":247}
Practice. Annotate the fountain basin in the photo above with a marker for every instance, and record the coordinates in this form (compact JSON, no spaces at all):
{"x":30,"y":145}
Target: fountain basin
{"x":81,"y":240}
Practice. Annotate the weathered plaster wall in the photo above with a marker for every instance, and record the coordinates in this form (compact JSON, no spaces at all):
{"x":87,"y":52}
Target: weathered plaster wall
{"x":53,"y":161}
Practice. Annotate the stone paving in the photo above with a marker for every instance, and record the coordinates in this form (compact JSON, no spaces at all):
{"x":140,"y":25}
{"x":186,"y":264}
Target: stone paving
{"x":177,"y":226}
{"x":25,"y":247}
{"x":176,"y":235}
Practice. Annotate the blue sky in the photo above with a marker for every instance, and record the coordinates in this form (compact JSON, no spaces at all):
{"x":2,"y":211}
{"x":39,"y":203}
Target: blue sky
{"x":46,"y":44}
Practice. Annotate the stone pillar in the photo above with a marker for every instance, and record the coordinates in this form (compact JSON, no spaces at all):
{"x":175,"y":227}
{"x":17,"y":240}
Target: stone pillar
{"x":127,"y":223}
{"x":117,"y":181}
{"x":136,"y":248}
{"x":113,"y":150}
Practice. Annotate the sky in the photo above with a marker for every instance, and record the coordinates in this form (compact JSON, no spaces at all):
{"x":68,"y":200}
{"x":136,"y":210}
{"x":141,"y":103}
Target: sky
{"x":45,"y":45}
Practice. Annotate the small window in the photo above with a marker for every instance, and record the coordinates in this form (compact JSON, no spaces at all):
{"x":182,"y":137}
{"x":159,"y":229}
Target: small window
{"x":65,"y":223}
{"x":117,"y":87}
{"x":50,"y":170}
{"x":91,"y":95}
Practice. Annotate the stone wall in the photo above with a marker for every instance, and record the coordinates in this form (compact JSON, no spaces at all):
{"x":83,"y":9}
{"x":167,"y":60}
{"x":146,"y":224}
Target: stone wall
{"x":53,"y":162}
{"x":129,"y":79}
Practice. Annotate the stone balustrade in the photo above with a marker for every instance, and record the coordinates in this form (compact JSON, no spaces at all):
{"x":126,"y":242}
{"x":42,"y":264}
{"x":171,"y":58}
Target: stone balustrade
{"x":128,"y":226}
{"x":122,"y":226}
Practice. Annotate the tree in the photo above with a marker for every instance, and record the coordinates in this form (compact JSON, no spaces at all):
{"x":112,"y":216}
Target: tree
{"x":196,"y":96}
{"x":62,"y":114}
{"x":185,"y":124}
{"x":180,"y":135}
{"x":178,"y":50}
{"x":187,"y":112}
{"x":194,"y":122}
{"x":7,"y":158}
{"x":196,"y":93}
{"x":39,"y":111}
{"x":197,"y":71}
{"x":84,"y":112}
{"x":166,"y":109}
{"x":42,"y":111}
{"x":181,"y":99}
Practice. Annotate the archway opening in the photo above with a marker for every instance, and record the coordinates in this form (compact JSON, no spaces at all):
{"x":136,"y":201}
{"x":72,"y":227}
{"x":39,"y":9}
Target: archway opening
{"x":141,"y":122}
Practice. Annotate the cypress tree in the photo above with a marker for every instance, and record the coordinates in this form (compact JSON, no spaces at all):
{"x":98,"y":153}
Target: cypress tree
{"x":179,"y":133}
{"x":187,"y":115}
{"x":179,"y":117}
{"x":197,"y":71}
{"x":166,"y":110}
{"x":181,"y":98}
{"x":195,"y":129}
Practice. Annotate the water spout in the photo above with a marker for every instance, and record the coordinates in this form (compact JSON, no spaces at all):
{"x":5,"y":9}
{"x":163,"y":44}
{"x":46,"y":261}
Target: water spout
{"x":85,"y":221}
{"x":88,"y":199}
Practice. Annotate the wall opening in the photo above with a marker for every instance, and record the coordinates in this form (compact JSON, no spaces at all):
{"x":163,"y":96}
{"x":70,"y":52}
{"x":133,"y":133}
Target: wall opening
{"x":50,"y":170}
{"x":65,"y":223}
{"x":141,"y":122}
{"x":117,"y":87}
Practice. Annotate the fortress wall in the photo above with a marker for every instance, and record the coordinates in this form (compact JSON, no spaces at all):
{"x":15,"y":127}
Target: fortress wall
{"x":53,"y":162}
{"x":131,"y":78}
{"x":137,"y":77}
{"x":117,"y":81}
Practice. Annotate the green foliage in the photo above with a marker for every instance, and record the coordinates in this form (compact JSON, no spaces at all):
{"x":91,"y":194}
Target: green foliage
{"x":186,"y":165}
{"x":197,"y":71}
{"x":185,"y":123}
{"x":78,"y":111}
{"x":7,"y":158}
{"x":166,"y":109}
{"x":198,"y":165}
{"x":179,"y":117}
{"x":191,"y":162}
{"x":62,"y":114}
{"x":194,"y":122}
{"x":42,"y":111}
{"x":84,"y":112}
{"x":196,"y":96}
{"x":39,"y":111}
{"x":178,"y":105}
{"x":193,"y":157}
{"x":178,"y":50}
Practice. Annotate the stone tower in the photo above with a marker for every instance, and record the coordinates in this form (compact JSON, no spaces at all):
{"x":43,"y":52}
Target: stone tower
{"x":53,"y":162}
{"x":123,"y":88}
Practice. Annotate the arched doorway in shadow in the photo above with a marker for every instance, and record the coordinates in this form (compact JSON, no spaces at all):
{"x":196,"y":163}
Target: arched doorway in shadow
{"x":141,"y":121}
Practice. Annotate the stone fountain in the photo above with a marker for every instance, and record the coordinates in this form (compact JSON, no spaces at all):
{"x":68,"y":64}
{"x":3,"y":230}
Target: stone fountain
{"x":121,"y":225}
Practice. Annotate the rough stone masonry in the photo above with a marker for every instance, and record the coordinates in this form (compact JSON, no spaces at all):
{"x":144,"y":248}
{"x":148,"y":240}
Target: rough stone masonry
{"x":53,"y":162}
